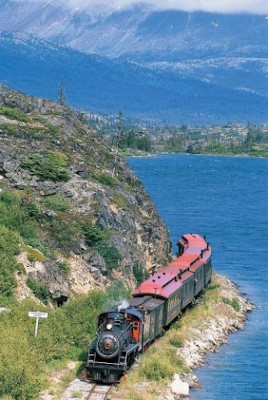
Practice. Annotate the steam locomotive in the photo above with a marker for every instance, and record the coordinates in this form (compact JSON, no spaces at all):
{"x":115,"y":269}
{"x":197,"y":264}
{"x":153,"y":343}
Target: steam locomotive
{"x":124,"y":333}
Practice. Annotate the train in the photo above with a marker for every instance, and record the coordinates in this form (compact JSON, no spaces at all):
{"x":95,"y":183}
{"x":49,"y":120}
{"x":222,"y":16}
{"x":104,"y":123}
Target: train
{"x":123,"y":333}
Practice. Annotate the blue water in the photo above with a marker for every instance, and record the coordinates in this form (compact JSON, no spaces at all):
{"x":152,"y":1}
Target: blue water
{"x":225,"y":198}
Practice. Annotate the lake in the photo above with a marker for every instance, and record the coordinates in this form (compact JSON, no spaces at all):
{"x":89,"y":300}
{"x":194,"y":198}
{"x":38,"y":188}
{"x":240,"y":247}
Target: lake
{"x":226,"y":199}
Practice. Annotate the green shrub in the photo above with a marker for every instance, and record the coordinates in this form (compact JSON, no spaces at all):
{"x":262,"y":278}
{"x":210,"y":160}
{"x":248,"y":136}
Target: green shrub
{"x":155,"y":367}
{"x":56,"y":203}
{"x":19,"y":372}
{"x":176,"y":342}
{"x":18,"y":229}
{"x":9,"y":248}
{"x":8,"y":266}
{"x":11,"y":129}
{"x":64,"y":267}
{"x":39,"y":289}
{"x":139,"y":273}
{"x":234,"y":303}
{"x":52,"y":129}
{"x":93,"y":234}
{"x":116,"y":292}
{"x":32,"y":209}
{"x":9,"y":241}
{"x":51,"y":166}
{"x":110,"y":253}
{"x":98,"y":239}
{"x":119,"y":201}
{"x":212,"y":286}
{"x":14,"y":114}
{"x":105,"y":179}
{"x":16,"y":216}
{"x":64,"y":232}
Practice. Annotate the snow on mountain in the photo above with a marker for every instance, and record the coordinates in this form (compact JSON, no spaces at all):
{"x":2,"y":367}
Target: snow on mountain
{"x":167,"y":52}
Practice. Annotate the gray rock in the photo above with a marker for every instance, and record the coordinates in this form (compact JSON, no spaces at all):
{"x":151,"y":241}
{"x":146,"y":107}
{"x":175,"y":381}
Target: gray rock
{"x":50,"y":213}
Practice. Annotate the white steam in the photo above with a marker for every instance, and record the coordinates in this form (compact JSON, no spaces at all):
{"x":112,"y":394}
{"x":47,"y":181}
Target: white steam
{"x":123,"y":304}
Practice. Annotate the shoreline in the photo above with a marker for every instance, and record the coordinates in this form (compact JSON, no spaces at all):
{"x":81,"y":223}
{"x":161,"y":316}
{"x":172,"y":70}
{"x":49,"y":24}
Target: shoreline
{"x":148,"y":155}
{"x":209,"y":338}
{"x":222,"y":309}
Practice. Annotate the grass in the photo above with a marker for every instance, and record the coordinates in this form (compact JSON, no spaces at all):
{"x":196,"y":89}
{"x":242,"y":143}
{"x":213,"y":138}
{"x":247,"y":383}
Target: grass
{"x":33,"y":254}
{"x":105,"y":178}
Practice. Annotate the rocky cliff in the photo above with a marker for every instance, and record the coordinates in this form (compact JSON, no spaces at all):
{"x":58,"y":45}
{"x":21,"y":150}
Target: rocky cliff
{"x":91,"y":219}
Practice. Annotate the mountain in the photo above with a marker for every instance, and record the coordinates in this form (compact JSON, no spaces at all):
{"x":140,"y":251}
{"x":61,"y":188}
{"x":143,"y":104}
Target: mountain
{"x":167,"y":66}
{"x":139,"y":32}
{"x":98,"y":84}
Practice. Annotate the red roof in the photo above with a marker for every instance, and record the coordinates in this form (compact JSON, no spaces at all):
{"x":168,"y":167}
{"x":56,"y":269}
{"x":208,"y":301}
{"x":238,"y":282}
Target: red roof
{"x":165,"y":282}
{"x":192,"y":239}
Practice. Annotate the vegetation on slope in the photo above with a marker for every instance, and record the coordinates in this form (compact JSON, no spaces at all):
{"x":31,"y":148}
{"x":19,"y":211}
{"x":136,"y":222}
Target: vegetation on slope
{"x":64,"y":192}
{"x":64,"y":335}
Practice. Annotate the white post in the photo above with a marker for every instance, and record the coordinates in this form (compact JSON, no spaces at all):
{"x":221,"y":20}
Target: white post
{"x":36,"y":326}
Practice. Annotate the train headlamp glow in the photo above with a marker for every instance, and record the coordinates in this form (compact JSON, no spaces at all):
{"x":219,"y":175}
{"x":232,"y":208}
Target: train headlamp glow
{"x":109,"y":327}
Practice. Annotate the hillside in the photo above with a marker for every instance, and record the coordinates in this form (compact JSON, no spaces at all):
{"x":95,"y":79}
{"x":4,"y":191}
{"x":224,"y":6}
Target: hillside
{"x":75,"y":214}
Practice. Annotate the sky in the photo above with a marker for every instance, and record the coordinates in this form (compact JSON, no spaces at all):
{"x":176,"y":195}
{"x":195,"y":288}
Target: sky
{"x":221,"y":6}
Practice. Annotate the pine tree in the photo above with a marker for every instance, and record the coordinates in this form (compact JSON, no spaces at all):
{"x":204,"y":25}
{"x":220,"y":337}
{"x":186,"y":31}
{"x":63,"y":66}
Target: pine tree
{"x":61,"y":93}
{"x":249,"y":140}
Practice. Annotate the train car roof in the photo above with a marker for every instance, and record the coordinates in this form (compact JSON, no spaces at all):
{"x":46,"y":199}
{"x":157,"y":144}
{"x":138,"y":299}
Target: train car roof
{"x":185,"y":260}
{"x":163,"y":283}
{"x":193,"y":240}
{"x":152,"y":304}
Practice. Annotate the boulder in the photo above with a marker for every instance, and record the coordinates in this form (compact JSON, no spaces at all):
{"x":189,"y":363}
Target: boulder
{"x":178,"y":387}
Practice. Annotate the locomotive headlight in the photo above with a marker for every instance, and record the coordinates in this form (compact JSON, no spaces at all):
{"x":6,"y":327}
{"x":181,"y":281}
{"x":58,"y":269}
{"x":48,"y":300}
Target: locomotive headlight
{"x":107,"y":346}
{"x":109,"y":327}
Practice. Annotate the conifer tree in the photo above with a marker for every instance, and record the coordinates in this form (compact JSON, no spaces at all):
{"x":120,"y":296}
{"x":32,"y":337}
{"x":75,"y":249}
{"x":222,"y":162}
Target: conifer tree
{"x":61,"y":93}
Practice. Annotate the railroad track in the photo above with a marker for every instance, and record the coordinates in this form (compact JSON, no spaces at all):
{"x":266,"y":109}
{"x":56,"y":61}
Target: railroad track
{"x":86,"y":390}
{"x":99,"y":392}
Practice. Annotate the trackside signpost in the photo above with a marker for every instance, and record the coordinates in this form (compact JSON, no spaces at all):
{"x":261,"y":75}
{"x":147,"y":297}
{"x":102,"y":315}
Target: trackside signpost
{"x":37,"y":315}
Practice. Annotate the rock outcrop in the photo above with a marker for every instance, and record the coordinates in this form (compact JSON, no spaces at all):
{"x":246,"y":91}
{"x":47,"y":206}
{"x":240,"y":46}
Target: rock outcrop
{"x":93,"y":211}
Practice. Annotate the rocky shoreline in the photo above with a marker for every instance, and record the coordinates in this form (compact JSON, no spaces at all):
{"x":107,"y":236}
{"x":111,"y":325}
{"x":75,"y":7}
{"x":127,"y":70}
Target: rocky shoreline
{"x":208,"y":338}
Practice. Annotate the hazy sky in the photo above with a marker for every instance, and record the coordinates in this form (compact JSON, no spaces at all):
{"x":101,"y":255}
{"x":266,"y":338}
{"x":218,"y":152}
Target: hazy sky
{"x":222,"y":6}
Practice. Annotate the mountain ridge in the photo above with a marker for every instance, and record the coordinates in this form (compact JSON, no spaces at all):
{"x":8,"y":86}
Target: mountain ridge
{"x":163,"y":66}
